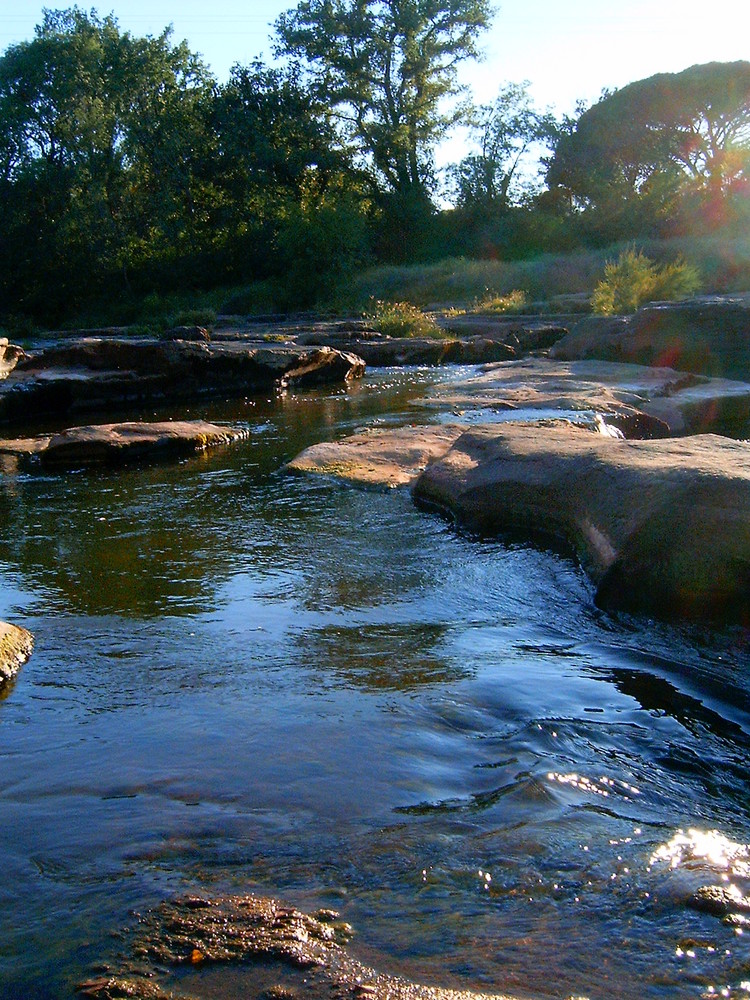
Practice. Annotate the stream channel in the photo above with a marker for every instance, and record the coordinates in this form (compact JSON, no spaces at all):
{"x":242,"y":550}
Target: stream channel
{"x":246,"y":681}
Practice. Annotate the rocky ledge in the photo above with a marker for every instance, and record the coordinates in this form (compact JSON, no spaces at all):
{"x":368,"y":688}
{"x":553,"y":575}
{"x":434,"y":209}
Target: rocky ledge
{"x":465,"y":340}
{"x":305,"y":954}
{"x":709,"y":335}
{"x":661,"y":526}
{"x":101,"y":373}
{"x":16,"y":645}
{"x":634,"y":400}
{"x":115,"y":444}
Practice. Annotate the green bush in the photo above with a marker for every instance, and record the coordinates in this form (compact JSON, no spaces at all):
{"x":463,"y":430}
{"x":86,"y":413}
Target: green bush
{"x":402,"y":319}
{"x":634,"y":279}
{"x":493,"y":302}
{"x":194,"y":317}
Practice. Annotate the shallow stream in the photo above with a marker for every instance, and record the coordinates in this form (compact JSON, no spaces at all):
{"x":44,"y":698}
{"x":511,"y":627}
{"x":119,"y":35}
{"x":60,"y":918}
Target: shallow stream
{"x":246,"y":681}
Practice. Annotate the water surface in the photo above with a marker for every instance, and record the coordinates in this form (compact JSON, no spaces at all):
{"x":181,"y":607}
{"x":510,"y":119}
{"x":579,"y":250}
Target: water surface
{"x":248,"y":681}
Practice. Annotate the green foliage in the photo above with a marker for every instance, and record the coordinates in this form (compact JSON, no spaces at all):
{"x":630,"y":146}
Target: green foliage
{"x":493,"y":302}
{"x":634,"y":279}
{"x":386,"y":69}
{"x":663,"y":155}
{"x":194,"y":317}
{"x":505,"y":131}
{"x":401,"y":319}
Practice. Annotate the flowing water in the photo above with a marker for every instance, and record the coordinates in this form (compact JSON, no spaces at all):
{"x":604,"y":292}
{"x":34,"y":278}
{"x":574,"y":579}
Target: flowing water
{"x":246,"y":681}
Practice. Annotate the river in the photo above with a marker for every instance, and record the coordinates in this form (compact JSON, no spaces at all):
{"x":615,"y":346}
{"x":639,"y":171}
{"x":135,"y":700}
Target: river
{"x":246,"y":681}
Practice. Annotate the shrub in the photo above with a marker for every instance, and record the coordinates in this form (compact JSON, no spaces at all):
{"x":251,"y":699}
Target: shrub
{"x":634,"y":279}
{"x":402,"y":319}
{"x":494,"y":302}
{"x":194,"y":317}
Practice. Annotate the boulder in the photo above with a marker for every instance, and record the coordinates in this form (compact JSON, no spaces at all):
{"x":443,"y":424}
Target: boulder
{"x":10,"y":355}
{"x":708,"y":335}
{"x":662,"y":527}
{"x":114,"y":444}
{"x":16,"y":645}
{"x":100,"y":373}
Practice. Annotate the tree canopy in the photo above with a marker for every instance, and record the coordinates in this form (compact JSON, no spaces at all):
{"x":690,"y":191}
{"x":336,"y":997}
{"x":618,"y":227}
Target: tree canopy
{"x":386,"y":67}
{"x":659,"y":139}
{"x":505,"y":130}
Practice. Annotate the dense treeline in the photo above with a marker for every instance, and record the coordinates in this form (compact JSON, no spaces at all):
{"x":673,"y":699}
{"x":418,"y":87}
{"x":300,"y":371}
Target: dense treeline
{"x":126,"y":168}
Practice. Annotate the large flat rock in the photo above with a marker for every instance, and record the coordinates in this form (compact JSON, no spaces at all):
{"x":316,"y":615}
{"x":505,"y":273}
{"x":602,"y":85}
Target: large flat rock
{"x":637,"y":400}
{"x":662,"y":527}
{"x":16,"y":645}
{"x":378,"y":457}
{"x":97,"y":373}
{"x":112,"y":444}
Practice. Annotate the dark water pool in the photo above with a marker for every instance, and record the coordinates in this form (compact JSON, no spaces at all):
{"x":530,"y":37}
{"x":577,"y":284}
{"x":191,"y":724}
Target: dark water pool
{"x":247,"y":681}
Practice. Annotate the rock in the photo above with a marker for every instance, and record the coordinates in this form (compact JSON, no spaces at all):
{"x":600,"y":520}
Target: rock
{"x":523,"y":335}
{"x":116,"y":988}
{"x":578,"y":391}
{"x":199,"y":333}
{"x":323,"y":367}
{"x":10,"y":355}
{"x":662,"y":527}
{"x":16,"y":645}
{"x":99,"y":373}
{"x":118,"y":443}
{"x":708,"y":335}
{"x":378,"y":457}
{"x":639,"y":401}
{"x":720,"y":900}
{"x":386,"y":352}
{"x":253,"y":929}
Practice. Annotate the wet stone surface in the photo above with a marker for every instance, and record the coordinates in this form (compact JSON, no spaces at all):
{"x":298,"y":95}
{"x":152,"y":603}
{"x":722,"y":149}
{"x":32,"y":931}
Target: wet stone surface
{"x":196,"y":931}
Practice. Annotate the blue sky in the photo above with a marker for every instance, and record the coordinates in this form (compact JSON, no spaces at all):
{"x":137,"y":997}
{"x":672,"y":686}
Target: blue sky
{"x":567,"y":49}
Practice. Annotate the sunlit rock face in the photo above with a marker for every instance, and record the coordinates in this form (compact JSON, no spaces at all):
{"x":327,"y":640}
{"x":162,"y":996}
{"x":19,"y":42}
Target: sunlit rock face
{"x":662,"y":527}
{"x":15,"y":648}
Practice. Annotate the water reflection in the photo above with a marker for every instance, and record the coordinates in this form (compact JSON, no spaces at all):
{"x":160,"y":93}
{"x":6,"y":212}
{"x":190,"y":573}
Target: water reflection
{"x":381,"y":657}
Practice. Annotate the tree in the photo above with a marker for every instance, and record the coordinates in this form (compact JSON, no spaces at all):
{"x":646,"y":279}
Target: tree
{"x":646,"y":151}
{"x":99,"y":134}
{"x":506,"y":131}
{"x":283,"y":185}
{"x":386,"y":68}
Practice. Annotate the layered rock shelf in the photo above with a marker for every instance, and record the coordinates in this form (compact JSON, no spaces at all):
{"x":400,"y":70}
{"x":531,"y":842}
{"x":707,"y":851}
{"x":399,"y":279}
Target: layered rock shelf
{"x":115,"y":444}
{"x":661,"y":526}
{"x":102,"y":373}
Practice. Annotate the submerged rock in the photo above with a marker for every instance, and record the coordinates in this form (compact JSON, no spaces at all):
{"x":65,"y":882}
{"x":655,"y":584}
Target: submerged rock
{"x":113,"y":444}
{"x":16,"y":645}
{"x":197,"y":931}
{"x":722,"y":901}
